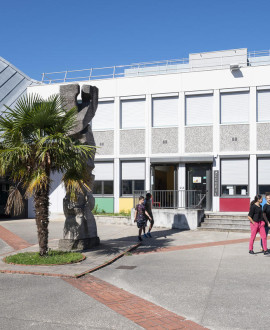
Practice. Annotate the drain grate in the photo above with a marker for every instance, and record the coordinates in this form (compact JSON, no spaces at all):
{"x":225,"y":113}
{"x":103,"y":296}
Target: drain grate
{"x":126,"y":267}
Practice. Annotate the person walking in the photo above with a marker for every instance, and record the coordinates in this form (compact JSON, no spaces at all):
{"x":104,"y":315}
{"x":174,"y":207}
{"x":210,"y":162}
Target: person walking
{"x":266,"y":216}
{"x":255,"y":217}
{"x":148,"y":208}
{"x":140,"y":217}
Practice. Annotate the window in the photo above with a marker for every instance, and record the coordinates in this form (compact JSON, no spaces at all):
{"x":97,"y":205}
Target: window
{"x":133,"y":113}
{"x":165,"y":111}
{"x":234,"y":107}
{"x":104,"y":117}
{"x":263,"y":175}
{"x":128,"y":186}
{"x":103,"y":188}
{"x":199,"y":109}
{"x":234,"y":177}
{"x":263,"y":105}
{"x":133,"y":177}
{"x":103,"y":184}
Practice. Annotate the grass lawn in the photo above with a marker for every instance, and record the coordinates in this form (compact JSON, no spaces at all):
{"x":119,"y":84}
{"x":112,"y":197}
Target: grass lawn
{"x":52,"y":258}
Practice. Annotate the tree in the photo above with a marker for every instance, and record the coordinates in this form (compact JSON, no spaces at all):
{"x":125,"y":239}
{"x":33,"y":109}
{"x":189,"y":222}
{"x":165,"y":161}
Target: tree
{"x":34,"y":142}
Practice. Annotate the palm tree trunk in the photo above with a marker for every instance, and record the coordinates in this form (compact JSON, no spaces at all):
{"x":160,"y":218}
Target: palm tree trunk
{"x":41,"y":199}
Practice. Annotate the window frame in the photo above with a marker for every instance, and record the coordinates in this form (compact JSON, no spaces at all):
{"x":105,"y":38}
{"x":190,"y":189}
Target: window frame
{"x":132,"y":187}
{"x":102,"y":188}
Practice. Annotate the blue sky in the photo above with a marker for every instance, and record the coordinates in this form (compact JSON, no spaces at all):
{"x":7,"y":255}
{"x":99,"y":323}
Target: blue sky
{"x":45,"y":36}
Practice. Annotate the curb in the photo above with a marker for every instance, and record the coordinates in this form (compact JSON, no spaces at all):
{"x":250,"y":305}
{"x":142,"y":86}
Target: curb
{"x":109,"y":262}
{"x":133,"y":247}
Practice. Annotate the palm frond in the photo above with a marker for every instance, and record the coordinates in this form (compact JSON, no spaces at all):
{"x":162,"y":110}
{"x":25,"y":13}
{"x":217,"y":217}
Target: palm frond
{"x":14,"y":201}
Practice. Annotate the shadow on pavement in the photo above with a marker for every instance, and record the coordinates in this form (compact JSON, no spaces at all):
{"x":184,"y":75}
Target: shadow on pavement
{"x":160,"y":239}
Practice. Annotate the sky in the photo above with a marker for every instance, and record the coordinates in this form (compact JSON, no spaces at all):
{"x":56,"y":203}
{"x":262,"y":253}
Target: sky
{"x":45,"y":36}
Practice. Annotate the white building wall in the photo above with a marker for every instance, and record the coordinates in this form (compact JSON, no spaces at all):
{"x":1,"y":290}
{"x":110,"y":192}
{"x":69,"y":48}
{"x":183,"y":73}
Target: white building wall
{"x":180,"y":83}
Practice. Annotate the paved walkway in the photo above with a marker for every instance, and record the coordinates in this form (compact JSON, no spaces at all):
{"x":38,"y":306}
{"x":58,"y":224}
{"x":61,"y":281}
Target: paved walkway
{"x":196,"y":282}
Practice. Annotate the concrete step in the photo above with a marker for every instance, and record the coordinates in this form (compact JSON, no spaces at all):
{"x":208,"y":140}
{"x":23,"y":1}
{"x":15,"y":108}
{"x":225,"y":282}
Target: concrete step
{"x":222,"y":216}
{"x":225,"y":226}
{"x":224,"y":229}
{"x":227,"y":221}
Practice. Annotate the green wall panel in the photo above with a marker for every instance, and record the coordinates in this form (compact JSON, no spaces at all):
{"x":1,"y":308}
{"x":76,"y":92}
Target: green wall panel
{"x":105,"y":203}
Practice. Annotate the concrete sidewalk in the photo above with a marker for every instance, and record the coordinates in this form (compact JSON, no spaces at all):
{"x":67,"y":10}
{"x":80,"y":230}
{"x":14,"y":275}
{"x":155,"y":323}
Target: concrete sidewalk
{"x":205,"y":277}
{"x":116,"y":240}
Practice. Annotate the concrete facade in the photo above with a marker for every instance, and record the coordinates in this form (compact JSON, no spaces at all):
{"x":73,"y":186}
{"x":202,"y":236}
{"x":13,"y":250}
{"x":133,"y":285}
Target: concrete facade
{"x":104,"y":142}
{"x":234,"y":138}
{"x":180,"y":144}
{"x":132,"y":142}
{"x":199,"y":139}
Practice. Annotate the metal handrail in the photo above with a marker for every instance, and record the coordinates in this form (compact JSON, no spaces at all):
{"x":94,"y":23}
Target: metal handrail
{"x":159,"y":67}
{"x":172,"y":199}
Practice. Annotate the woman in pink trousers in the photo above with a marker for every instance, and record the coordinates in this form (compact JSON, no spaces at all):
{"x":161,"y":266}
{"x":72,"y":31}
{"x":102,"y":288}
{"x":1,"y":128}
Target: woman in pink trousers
{"x":255,"y":216}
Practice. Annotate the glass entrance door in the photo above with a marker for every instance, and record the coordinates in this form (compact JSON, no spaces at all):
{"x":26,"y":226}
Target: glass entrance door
{"x":199,"y":177}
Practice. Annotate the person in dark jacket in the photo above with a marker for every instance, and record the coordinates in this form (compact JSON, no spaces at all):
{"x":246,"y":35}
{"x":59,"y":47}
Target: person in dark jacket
{"x":255,"y":216}
{"x":266,"y":215}
{"x":148,"y":208}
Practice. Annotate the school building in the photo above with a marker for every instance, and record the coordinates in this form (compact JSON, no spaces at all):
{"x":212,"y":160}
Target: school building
{"x":177,"y":126}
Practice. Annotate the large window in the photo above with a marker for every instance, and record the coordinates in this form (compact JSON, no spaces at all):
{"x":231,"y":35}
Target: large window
{"x":199,"y":109}
{"x":234,"y":107}
{"x":165,"y":111}
{"x":103,"y":184}
{"x":234,"y":177}
{"x":104,"y":117}
{"x":263,"y":175}
{"x":133,"y":113}
{"x":263,"y":105}
{"x":103,"y":188}
{"x":133,"y":177}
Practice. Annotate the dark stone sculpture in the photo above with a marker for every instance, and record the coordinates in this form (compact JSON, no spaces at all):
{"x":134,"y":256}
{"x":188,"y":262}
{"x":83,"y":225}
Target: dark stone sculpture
{"x":80,"y":231}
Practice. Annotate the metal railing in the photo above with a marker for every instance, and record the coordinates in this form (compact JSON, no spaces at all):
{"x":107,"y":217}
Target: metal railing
{"x":254,"y":58}
{"x":172,"y":199}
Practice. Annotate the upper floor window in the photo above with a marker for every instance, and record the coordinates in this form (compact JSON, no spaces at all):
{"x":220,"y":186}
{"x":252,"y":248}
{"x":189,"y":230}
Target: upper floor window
{"x":263,"y":105}
{"x":199,"y":109}
{"x":234,"y":107}
{"x":104,"y":117}
{"x":165,"y":111}
{"x":133,"y":113}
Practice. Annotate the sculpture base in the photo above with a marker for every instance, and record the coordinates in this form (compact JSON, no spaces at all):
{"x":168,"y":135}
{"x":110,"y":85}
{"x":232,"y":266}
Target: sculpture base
{"x":78,"y":244}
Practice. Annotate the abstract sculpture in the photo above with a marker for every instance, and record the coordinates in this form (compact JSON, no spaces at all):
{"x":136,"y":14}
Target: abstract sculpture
{"x":80,"y":231}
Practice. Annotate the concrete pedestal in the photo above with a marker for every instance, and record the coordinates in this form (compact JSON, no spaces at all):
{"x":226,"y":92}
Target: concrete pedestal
{"x":78,"y":244}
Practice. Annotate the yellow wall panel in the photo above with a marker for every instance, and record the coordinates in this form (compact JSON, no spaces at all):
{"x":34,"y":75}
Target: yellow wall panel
{"x":125,"y":204}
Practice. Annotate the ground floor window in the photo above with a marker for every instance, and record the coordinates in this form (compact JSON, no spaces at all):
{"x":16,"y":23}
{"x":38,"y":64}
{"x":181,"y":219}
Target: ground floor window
{"x":263,"y":175}
{"x":128,"y":186}
{"x":234,"y":177}
{"x":132,"y":176}
{"x":103,"y":187}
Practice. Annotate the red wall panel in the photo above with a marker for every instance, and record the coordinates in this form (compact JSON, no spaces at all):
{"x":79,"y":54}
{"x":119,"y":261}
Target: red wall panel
{"x":234,"y":204}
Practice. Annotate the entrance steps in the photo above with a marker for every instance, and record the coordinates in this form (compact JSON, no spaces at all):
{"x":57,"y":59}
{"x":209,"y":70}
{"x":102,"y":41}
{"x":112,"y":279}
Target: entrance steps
{"x":225,"y":221}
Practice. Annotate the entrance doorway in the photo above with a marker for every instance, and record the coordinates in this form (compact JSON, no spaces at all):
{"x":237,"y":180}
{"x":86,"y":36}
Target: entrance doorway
{"x":164,"y":183}
{"x":199,"y":177}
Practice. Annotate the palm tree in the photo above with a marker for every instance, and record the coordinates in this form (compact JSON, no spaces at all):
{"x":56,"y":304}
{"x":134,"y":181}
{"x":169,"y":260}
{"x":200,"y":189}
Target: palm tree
{"x":34,"y":142}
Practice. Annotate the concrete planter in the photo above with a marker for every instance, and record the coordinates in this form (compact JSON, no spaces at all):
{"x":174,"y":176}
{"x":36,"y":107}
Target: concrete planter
{"x":185,"y":219}
{"x":117,"y":220}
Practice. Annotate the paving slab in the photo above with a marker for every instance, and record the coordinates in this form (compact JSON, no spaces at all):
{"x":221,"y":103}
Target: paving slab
{"x":39,"y":302}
